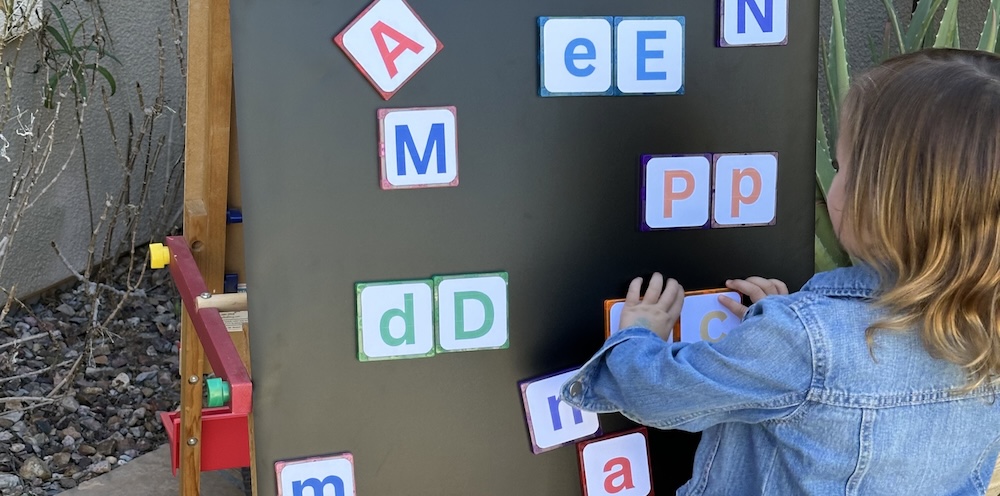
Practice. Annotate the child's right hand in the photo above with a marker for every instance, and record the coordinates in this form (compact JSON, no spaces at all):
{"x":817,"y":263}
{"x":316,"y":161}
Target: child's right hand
{"x":658,"y":310}
{"x":756,"y":288}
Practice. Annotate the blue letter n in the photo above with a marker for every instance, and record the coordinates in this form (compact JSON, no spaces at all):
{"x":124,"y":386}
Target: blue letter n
{"x":319,"y":487}
{"x":765,"y":20}
{"x":556,"y":419}
{"x":405,"y":143}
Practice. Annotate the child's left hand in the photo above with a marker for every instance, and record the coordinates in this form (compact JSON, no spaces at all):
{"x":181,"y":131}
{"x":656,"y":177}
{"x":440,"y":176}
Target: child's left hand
{"x":658,"y":310}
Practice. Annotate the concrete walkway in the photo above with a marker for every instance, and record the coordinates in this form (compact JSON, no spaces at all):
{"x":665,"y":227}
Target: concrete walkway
{"x":149,"y":475}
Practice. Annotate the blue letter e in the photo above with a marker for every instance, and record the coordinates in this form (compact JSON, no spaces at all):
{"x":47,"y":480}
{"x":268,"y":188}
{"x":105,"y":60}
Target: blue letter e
{"x":642,"y":55}
{"x":405,"y":143}
{"x":589,"y":53}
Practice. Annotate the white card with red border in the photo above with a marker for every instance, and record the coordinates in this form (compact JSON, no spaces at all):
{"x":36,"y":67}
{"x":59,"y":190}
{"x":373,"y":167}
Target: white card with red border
{"x":389,"y":44}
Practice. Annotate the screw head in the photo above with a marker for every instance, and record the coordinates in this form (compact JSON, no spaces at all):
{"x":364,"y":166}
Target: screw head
{"x":206,"y":295}
{"x":193,"y":379}
{"x":193,"y":441}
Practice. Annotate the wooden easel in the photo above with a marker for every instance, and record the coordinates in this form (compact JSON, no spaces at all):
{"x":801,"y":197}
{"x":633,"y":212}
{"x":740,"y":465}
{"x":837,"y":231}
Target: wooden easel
{"x":211,"y":184}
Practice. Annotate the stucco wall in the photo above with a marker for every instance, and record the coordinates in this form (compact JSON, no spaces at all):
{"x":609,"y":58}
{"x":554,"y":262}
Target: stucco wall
{"x":866,"y":22}
{"x":61,"y":214}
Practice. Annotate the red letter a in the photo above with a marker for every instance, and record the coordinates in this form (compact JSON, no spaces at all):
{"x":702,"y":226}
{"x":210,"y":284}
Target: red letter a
{"x":624,"y":471}
{"x":379,"y":31}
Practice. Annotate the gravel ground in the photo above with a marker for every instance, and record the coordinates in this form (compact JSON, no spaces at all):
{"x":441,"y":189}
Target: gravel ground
{"x":76,"y":404}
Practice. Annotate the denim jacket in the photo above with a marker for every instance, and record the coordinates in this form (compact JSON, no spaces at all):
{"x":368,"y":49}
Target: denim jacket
{"x":794,"y":402}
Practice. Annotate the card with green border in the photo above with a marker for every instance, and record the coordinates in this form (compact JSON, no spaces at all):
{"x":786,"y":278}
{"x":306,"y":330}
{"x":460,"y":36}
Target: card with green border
{"x":395,"y":320}
{"x":471,"y":312}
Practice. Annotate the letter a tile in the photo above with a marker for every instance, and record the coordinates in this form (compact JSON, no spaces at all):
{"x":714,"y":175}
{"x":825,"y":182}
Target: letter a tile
{"x":395,"y":320}
{"x":471,"y":312}
{"x":418,"y":147}
{"x":389,"y":44}
{"x":616,"y":465}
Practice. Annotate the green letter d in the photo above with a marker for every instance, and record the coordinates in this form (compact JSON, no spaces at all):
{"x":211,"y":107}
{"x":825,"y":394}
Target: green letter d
{"x":460,"y":297}
{"x":408,"y":337}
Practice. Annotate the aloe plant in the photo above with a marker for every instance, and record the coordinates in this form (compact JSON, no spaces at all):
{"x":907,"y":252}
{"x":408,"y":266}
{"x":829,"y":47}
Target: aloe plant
{"x":915,"y":36}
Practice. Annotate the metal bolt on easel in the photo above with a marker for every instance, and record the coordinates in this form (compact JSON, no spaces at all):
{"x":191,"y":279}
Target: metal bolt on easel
{"x":193,"y":441}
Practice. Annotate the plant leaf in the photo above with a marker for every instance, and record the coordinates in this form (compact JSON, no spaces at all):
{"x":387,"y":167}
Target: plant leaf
{"x":894,"y":19}
{"x":991,"y":28}
{"x":58,"y":37}
{"x":920,"y":24}
{"x":824,"y":164}
{"x":835,"y":63}
{"x":107,"y":75}
{"x":62,"y":20}
{"x":947,"y":36}
{"x":827,"y":248}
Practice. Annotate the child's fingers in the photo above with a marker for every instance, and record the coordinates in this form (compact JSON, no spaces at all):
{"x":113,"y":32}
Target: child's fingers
{"x":676,"y":300}
{"x":734,"y":306}
{"x":753,"y":291}
{"x":669,"y":294}
{"x":764,"y":284}
{"x":632,"y":297}
{"x":780,"y":286}
{"x":653,"y":291}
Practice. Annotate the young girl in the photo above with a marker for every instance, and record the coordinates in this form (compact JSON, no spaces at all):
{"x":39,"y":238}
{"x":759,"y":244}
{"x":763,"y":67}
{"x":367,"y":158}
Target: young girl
{"x":874,"y":379}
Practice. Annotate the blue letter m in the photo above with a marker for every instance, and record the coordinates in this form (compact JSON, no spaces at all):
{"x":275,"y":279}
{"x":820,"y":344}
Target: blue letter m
{"x":318,"y":486}
{"x":765,"y":20}
{"x":405,"y":143}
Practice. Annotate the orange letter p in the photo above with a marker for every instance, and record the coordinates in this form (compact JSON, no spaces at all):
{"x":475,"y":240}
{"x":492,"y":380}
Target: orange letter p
{"x":670,"y":196}
{"x":738,"y":198}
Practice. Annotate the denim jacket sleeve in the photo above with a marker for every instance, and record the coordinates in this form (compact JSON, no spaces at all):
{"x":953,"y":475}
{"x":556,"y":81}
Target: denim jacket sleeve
{"x":762,"y":370}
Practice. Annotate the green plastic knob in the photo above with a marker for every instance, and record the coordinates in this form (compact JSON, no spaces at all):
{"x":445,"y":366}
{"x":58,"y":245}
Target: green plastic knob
{"x":217,"y":392}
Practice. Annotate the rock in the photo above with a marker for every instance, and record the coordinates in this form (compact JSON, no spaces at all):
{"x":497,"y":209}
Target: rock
{"x":101,"y":467}
{"x":107,"y":446}
{"x":121,"y":381}
{"x":139,"y":413}
{"x":71,"y":432}
{"x":86,"y":450}
{"x":68,"y":441}
{"x":66,"y":310}
{"x":43,"y":425}
{"x":90,"y":423}
{"x":34,"y":468}
{"x":17,"y":448}
{"x":13,"y":417}
{"x":61,"y":459}
{"x":9,"y":481}
{"x":6,"y":436}
{"x":101,"y":360}
{"x":145,"y":376}
{"x":67,"y":483}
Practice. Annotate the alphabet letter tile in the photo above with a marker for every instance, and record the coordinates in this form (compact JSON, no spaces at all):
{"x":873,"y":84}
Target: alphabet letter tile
{"x":746,"y":190}
{"x":650,"y":55}
{"x":577,"y":56}
{"x":703,"y":318}
{"x":753,"y":22}
{"x":388,"y":43}
{"x":551,"y":422}
{"x":395,"y":320}
{"x":472,"y":312}
{"x":418,"y":147}
{"x":323,"y":475}
{"x":676,"y":191}
{"x":616,"y":465}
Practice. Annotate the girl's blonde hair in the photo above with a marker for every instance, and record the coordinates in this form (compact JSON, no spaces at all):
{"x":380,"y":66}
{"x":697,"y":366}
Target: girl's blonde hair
{"x":923,"y":199}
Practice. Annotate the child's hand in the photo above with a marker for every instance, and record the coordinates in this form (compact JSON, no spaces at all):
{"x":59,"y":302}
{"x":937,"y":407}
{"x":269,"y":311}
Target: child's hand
{"x":754,"y":287}
{"x":658,"y":310}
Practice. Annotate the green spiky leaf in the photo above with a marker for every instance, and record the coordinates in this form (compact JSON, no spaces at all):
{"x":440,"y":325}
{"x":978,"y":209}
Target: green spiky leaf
{"x":947,"y":36}
{"x":991,"y":28}
{"x":894,"y":20}
{"x":920,"y":24}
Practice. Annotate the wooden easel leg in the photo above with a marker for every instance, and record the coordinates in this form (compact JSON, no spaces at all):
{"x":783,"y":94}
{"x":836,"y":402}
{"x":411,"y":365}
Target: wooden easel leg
{"x":192,"y":363}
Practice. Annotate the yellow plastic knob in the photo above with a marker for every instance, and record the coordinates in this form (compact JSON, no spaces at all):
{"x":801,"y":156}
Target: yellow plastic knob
{"x":159,"y":255}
